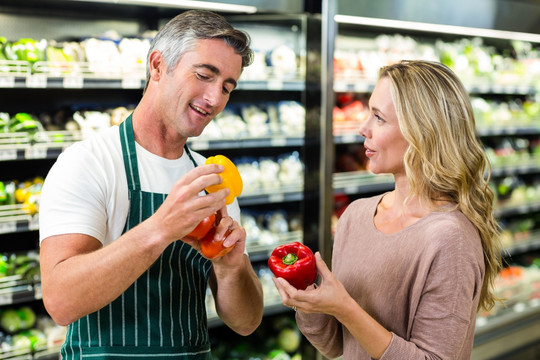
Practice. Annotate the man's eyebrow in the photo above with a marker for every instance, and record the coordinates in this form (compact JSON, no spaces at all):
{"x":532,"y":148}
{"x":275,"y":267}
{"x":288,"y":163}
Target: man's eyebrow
{"x":216,"y":71}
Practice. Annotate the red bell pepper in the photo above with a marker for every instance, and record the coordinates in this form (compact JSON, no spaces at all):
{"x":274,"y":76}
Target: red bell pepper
{"x":203,"y":227}
{"x":295,"y":263}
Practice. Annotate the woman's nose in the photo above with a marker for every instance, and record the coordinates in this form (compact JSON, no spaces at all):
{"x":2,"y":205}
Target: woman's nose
{"x":364,"y":128}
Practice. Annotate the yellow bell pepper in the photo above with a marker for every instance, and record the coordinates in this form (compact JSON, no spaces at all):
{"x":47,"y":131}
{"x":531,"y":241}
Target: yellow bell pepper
{"x":230,"y":176}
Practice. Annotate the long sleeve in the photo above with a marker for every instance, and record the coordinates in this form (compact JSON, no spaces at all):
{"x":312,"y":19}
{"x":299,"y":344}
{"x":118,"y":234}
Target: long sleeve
{"x":323,"y":332}
{"x":422,"y":284}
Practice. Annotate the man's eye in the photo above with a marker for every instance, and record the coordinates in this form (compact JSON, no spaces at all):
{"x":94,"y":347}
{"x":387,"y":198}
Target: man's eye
{"x":226,"y":90}
{"x":202,"y":76}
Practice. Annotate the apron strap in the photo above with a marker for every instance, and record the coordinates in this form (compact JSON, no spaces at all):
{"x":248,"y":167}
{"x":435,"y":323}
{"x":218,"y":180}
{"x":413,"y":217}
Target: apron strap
{"x":127,"y":139}
{"x":190,"y":156}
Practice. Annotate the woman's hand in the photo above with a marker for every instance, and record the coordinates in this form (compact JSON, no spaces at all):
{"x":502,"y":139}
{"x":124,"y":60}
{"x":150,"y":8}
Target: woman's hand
{"x":326,"y":298}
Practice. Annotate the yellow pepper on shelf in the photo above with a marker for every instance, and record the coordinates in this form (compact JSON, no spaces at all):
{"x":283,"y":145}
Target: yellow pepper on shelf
{"x":230,"y":176}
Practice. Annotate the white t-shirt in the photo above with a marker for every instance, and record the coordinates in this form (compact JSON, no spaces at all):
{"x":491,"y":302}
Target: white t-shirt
{"x":86,"y":189}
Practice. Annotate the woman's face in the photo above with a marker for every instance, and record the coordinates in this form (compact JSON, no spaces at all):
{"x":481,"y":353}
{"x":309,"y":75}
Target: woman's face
{"x":384,"y":142}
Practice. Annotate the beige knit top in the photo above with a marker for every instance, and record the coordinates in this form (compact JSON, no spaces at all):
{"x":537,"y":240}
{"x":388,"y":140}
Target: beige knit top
{"x":422,"y":283}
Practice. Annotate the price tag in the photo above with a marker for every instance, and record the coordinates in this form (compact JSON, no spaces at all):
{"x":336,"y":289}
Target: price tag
{"x":278,"y":141}
{"x":36,"y":81}
{"x":73,"y":82}
{"x":498,"y":89}
{"x":33,"y":224}
{"x":523,"y":89}
{"x":361,"y":87}
{"x":8,"y":227}
{"x":349,"y":138}
{"x":200,"y":145}
{"x":7,"y":81}
{"x":131,"y":83}
{"x":351,"y":189}
{"x":276,"y":197}
{"x":275,"y":84}
{"x":36,"y":152}
{"x":38,"y":294}
{"x":8,"y":154}
{"x":483,"y":88}
{"x":6,"y":299}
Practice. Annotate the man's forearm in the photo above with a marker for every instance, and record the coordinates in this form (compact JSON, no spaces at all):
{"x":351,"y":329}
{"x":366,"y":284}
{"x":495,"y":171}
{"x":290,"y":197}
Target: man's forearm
{"x":239,"y":298}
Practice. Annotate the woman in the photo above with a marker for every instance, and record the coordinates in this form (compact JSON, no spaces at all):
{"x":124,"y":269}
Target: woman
{"x":411,"y":267}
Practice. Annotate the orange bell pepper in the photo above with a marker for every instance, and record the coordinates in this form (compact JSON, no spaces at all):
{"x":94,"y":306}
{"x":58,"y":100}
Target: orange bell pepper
{"x":213,"y":249}
{"x":230,"y":176}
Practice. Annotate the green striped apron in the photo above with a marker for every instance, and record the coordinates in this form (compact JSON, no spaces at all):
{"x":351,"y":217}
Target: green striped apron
{"x":162,"y":314}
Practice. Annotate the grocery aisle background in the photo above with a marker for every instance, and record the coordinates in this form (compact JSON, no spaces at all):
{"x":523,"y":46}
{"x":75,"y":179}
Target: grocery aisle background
{"x":70,"y":68}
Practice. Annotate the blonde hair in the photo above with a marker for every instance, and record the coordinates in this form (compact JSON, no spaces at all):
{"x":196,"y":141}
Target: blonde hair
{"x":445,"y":160}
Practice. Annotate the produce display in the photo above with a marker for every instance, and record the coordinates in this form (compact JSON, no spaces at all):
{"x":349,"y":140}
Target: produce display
{"x":113,"y":55}
{"x":519,"y":286}
{"x":24,"y":332}
{"x":268,"y":228}
{"x":245,"y":121}
{"x":24,"y":193}
{"x":477,"y":64}
{"x":107,"y":56}
{"x":278,"y":338}
{"x":25,"y":265}
{"x":474,"y":61}
{"x":279,"y":62}
{"x":295,"y":263}
{"x":267,"y":175}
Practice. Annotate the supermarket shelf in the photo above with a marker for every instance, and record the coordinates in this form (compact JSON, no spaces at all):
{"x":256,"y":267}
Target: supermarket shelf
{"x":528,"y":165}
{"x":523,"y":247}
{"x":41,"y":81}
{"x":361,"y":182}
{"x":261,"y":252}
{"x":508,"y":130}
{"x":348,"y":138}
{"x":515,"y":328}
{"x":14,"y":219}
{"x":359,"y":83}
{"x":16,"y":290}
{"x":79,"y":75}
{"x":269,"y":196}
{"x":275,"y":306}
{"x":515,"y":130}
{"x":517,"y":209}
{"x":50,"y":144}
{"x":244,"y":143}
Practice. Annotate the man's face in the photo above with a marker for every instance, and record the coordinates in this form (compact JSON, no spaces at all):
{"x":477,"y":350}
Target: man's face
{"x":199,"y":87}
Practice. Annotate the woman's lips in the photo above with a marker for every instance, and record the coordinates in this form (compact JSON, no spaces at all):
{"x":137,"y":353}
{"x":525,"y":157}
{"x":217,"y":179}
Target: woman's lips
{"x":369,"y":152}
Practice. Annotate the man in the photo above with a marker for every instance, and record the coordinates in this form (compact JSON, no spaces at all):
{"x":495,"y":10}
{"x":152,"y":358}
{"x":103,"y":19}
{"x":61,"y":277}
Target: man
{"x":116,"y":208}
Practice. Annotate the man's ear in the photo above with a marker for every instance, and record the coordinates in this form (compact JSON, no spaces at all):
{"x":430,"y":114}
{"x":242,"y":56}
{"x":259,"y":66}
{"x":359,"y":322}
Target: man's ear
{"x":156,"y":65}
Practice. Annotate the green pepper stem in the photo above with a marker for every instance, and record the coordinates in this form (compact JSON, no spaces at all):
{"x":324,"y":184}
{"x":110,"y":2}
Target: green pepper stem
{"x":289,"y":259}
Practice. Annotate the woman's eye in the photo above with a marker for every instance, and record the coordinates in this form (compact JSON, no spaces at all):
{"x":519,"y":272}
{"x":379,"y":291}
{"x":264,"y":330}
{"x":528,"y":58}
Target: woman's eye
{"x":380,"y":119}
